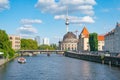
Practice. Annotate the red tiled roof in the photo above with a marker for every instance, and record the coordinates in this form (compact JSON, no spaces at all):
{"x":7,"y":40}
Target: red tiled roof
{"x":85,"y":32}
{"x":100,"y":37}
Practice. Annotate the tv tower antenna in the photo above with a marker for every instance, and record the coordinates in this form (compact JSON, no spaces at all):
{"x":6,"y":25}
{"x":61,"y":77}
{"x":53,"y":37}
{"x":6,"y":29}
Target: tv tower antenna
{"x":76,"y":33}
{"x":67,"y":21}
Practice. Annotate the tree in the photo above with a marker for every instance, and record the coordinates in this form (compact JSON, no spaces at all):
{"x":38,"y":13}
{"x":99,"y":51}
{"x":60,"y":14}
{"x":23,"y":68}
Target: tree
{"x":93,"y":41}
{"x":54,"y":46}
{"x":6,"y":45}
{"x":28,"y":44}
{"x":47,"y":47}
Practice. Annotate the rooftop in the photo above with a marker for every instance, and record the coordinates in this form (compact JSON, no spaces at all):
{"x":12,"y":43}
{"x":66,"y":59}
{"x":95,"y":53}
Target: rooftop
{"x":69,"y":35}
{"x":85,"y":32}
{"x":100,"y":37}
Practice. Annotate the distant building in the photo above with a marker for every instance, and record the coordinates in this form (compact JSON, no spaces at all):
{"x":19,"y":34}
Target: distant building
{"x":101,"y":42}
{"x":15,"y":42}
{"x":83,"y":41}
{"x":37,"y":38}
{"x":112,"y":40}
{"x":46,"y":41}
{"x":69,"y":42}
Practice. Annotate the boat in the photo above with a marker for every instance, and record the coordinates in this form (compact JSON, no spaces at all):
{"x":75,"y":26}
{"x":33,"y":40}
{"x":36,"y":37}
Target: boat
{"x":48,"y":54}
{"x":21,"y":60}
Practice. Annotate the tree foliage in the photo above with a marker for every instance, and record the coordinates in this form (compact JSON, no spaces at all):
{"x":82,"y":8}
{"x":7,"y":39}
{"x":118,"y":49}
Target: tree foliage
{"x":28,"y":44}
{"x":6,"y":45}
{"x":54,"y":46}
{"x":47,"y":47}
{"x":93,"y":41}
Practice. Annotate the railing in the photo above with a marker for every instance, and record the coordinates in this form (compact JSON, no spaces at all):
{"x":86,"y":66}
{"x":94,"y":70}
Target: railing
{"x":23,"y":51}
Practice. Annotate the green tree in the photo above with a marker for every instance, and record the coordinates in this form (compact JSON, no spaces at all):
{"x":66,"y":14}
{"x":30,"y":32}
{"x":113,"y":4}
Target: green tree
{"x":54,"y":46}
{"x":6,"y":45}
{"x":47,"y":47}
{"x":93,"y":41}
{"x":28,"y":44}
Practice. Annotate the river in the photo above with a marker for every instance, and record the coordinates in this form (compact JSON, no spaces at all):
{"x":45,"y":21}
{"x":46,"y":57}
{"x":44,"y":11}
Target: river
{"x":57,"y":67}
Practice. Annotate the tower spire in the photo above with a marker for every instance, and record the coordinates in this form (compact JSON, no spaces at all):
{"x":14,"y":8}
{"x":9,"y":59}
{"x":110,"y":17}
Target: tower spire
{"x":67,"y":21}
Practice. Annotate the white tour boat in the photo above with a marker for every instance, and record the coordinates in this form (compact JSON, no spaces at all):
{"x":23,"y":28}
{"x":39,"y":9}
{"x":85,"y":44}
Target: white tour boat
{"x":21,"y":60}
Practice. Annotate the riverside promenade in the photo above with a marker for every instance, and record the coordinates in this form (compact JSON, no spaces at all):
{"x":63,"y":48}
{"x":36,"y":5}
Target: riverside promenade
{"x":115,"y":61}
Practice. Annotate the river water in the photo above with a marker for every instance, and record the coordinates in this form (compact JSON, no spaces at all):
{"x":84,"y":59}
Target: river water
{"x":57,"y":67}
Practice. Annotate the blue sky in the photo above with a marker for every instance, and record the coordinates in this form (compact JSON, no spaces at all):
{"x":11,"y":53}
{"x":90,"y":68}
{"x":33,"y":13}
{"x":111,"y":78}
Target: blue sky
{"x":46,"y":18}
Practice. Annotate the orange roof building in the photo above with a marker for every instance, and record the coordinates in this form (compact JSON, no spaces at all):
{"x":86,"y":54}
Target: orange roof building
{"x":85,"y":32}
{"x":83,"y":42}
{"x":101,"y":42}
{"x":100,"y":37}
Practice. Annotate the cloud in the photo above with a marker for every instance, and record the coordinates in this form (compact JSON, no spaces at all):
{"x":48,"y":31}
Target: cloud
{"x":27,"y":30}
{"x":4,"y":4}
{"x":75,"y":20}
{"x":105,"y":10}
{"x":85,"y":19}
{"x":31,"y":21}
{"x":58,"y":17}
{"x":118,"y":9}
{"x":75,"y":6}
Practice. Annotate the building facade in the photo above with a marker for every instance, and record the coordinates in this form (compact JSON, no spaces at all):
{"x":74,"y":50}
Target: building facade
{"x":101,"y":42}
{"x":69,"y":42}
{"x":46,"y":41}
{"x":112,"y":40}
{"x":83,"y":41}
{"x":37,"y":39}
{"x":15,"y":42}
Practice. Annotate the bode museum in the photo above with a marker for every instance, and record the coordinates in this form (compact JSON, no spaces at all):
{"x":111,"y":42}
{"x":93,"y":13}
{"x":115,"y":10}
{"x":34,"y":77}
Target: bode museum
{"x":69,"y":42}
{"x":72,"y":43}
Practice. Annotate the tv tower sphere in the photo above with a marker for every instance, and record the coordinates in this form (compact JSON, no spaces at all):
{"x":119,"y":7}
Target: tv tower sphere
{"x":67,"y":23}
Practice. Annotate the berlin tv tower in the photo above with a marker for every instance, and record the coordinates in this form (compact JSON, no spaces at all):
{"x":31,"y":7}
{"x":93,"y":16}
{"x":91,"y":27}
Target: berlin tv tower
{"x":67,"y":21}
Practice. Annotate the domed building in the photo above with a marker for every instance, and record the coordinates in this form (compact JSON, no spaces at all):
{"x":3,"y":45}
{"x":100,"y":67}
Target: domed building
{"x":69,"y":42}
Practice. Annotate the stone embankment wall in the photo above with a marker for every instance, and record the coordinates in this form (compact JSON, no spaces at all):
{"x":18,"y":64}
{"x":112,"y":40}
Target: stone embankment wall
{"x":2,"y":61}
{"x":95,"y":58}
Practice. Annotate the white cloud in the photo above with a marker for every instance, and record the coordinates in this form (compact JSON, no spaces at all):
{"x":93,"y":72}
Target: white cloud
{"x":85,"y":19}
{"x":105,"y":10}
{"x":4,"y":4}
{"x":75,"y":6}
{"x":31,"y":21}
{"x":118,"y":9}
{"x":27,"y":30}
{"x":76,"y":20}
{"x":58,"y":17}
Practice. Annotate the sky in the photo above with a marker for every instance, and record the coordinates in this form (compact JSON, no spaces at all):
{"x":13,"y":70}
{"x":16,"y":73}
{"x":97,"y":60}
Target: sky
{"x":46,"y":18}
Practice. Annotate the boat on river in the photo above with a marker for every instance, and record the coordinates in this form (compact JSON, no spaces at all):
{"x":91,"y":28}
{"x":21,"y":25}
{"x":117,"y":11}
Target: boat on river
{"x":21,"y":60}
{"x":48,"y":54}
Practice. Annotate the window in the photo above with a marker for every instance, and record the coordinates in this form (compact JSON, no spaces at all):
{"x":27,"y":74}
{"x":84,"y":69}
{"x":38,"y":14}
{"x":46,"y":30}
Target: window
{"x":10,"y":37}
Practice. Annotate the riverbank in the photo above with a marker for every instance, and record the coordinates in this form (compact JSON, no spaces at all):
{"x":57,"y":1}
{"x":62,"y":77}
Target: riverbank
{"x":4,"y":61}
{"x":115,"y":61}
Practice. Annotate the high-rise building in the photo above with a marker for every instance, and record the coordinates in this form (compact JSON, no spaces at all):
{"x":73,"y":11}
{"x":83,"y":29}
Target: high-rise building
{"x":37,"y":38}
{"x":16,"y":43}
{"x":46,"y":41}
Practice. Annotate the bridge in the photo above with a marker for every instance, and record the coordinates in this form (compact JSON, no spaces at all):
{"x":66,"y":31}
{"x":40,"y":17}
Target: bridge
{"x":40,"y":51}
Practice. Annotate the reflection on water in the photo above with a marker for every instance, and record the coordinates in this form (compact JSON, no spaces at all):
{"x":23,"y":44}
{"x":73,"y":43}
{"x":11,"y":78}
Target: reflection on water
{"x":57,"y":67}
